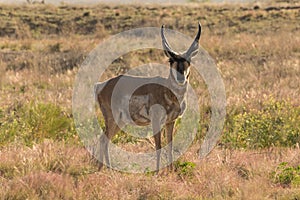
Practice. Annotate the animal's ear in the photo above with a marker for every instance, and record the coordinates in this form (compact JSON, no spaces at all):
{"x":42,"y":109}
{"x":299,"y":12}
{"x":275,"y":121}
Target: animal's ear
{"x":167,"y":49}
{"x":194,"y":48}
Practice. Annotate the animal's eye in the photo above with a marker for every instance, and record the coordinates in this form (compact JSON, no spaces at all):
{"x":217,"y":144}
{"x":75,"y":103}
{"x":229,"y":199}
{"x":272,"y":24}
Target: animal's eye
{"x":174,"y":65}
{"x":186,"y":64}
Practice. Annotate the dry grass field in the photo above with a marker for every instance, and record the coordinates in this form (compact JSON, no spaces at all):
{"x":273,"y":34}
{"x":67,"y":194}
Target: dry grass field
{"x":256,"y":48}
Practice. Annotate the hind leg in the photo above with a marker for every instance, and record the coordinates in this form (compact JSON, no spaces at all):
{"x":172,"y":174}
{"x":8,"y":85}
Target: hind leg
{"x":112,"y":132}
{"x":111,"y":129}
{"x":103,"y":139}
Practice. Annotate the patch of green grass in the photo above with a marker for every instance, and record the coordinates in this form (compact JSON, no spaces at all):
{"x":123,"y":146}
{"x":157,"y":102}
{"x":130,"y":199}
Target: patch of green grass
{"x":275,"y":124}
{"x":32,"y":123}
{"x":123,"y":138}
{"x":184,"y":168}
{"x":286,"y":175}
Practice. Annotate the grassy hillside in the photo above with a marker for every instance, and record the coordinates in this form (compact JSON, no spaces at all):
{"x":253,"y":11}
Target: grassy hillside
{"x":256,"y":48}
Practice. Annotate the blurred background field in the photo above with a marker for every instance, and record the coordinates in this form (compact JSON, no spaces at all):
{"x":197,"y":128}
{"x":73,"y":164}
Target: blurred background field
{"x":256,"y":47}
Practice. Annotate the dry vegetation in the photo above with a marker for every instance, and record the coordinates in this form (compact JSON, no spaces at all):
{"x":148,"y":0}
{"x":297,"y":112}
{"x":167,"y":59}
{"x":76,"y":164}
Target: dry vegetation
{"x":257,"y":50}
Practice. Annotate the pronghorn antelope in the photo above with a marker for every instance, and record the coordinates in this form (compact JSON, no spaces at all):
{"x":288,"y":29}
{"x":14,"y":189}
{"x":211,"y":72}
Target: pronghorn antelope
{"x":144,"y":101}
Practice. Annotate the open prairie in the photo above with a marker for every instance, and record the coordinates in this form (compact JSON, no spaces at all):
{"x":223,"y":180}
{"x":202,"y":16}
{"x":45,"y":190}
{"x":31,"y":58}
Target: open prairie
{"x":256,"y":48}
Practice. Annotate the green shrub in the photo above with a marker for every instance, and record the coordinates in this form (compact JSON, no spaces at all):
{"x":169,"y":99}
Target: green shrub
{"x":286,"y":175}
{"x":123,"y":138}
{"x":184,"y":168}
{"x":35,"y":122}
{"x":275,"y":124}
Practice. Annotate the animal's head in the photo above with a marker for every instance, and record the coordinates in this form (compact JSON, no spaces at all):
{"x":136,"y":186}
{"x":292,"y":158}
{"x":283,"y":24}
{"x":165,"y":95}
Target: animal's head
{"x":180,"y":63}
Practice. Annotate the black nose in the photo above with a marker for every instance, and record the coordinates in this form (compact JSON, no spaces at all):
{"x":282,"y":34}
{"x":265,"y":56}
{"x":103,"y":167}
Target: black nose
{"x":180,"y":77}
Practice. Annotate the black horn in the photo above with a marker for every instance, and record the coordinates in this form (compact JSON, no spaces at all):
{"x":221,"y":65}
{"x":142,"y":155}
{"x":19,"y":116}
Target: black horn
{"x":193,"y":50}
{"x":168,"y":51}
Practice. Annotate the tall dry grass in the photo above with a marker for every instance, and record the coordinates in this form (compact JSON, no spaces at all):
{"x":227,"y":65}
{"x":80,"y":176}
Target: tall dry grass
{"x":53,"y":170}
{"x":256,"y":50}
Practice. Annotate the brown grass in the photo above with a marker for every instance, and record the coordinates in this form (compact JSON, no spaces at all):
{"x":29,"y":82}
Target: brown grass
{"x":54,"y":170}
{"x":257,"y":52}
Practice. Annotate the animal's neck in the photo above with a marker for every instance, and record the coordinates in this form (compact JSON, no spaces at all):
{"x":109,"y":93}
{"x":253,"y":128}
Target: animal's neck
{"x":178,"y":90}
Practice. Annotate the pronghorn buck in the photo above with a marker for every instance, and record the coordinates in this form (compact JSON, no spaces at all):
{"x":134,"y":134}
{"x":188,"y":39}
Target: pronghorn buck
{"x":144,"y":101}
